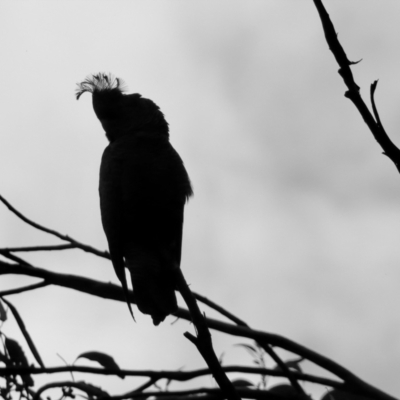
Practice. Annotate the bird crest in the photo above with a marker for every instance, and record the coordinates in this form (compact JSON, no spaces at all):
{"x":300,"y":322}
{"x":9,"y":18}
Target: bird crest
{"x":99,"y":83}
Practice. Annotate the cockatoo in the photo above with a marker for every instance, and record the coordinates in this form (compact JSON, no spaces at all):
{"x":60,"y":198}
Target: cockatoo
{"x":143,"y":190}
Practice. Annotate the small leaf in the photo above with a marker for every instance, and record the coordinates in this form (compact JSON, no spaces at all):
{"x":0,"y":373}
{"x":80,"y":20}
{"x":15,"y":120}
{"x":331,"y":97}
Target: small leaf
{"x":3,"y":358}
{"x":3,"y":312}
{"x":292,"y":364}
{"x":285,"y":391}
{"x":15,"y":352}
{"x":242,"y":383}
{"x":336,"y":394}
{"x":221,"y":358}
{"x":248,"y":347}
{"x":103,"y":359}
{"x":92,"y":390}
{"x":17,"y":357}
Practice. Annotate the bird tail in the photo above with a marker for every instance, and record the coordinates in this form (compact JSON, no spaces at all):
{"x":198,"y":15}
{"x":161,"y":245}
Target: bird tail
{"x":153,"y":287}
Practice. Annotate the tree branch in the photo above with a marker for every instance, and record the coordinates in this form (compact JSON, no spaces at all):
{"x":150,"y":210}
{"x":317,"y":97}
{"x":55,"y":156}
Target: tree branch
{"x":353,"y":93}
{"x":269,"y":350}
{"x":66,"y":238}
{"x":24,"y":289}
{"x":180,"y":376}
{"x":203,"y":340}
{"x":38,"y":248}
{"x":114,"y":292}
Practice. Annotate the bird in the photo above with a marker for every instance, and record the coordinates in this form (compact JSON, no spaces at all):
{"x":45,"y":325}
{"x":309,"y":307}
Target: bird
{"x":143,"y":189}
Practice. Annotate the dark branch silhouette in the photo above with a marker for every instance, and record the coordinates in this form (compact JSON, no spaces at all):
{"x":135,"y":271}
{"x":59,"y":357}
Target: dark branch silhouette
{"x":113,"y":292}
{"x":353,"y":92}
{"x":16,"y":364}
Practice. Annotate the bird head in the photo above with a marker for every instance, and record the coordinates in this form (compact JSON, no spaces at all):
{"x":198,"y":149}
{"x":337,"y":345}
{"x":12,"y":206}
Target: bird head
{"x":121,"y":114}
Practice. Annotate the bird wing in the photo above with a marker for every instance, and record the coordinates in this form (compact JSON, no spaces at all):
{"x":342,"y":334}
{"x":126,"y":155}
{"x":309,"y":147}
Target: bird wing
{"x":111,"y":212}
{"x":154,"y":189}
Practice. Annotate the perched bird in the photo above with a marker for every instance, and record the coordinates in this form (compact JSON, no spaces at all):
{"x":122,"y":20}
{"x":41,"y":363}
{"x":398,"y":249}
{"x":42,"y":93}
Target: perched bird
{"x":143,"y":190}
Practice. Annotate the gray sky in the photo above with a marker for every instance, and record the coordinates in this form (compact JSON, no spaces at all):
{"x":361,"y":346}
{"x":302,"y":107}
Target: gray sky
{"x":295,"y":220}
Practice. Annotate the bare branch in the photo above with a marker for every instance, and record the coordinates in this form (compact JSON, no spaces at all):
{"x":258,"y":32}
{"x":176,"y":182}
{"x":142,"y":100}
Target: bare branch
{"x":13,"y":257}
{"x":66,"y":238}
{"x":269,"y":350}
{"x":39,"y":248}
{"x":353,"y":93}
{"x":23,"y":289}
{"x":203,"y":340}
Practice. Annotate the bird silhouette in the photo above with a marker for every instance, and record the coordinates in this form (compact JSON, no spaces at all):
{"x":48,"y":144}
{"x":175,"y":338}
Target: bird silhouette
{"x":143,"y":190}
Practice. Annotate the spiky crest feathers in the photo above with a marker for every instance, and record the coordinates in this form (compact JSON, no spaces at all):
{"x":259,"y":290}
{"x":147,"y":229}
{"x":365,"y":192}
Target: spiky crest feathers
{"x":100,"y":82}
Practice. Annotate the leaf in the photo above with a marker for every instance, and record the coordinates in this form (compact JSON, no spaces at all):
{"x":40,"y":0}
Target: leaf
{"x":24,"y":331}
{"x":251,"y":349}
{"x":103,"y":359}
{"x":221,"y":358}
{"x":336,"y":394}
{"x":3,"y":358}
{"x":15,"y":352}
{"x":91,"y":390}
{"x":285,"y":391}
{"x":241,"y":383}
{"x":3,"y":312}
{"x":292,"y":364}
{"x":17,"y":357}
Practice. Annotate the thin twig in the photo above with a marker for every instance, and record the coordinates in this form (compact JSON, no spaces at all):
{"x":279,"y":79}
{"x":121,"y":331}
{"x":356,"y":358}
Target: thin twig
{"x":66,"y":238}
{"x":39,"y":248}
{"x":146,"y":385}
{"x":13,"y":257}
{"x":220,"y":309}
{"x":24,"y":289}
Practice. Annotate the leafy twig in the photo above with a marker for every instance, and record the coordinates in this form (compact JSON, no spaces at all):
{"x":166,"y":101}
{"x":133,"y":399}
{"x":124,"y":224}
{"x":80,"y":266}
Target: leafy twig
{"x":25,"y":332}
{"x":180,"y":376}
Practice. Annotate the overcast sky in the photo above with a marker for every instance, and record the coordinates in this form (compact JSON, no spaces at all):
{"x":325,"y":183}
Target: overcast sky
{"x":295,"y":222}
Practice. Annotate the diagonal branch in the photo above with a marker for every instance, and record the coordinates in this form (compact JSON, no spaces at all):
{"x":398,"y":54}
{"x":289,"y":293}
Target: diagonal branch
{"x":25,"y":332}
{"x":66,"y":238}
{"x":265,"y":345}
{"x":24,"y":289}
{"x":353,"y":93}
{"x":203,"y":340}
